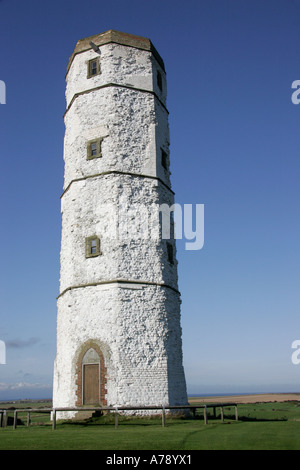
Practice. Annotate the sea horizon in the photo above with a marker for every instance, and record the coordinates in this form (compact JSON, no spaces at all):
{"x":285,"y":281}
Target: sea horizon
{"x":192,"y":395}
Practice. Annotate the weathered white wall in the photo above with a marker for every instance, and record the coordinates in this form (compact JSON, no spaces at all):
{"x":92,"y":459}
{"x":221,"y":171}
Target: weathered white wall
{"x":137,"y":328}
{"x":119,"y":64}
{"x":126,"y":120}
{"x":96,"y":206}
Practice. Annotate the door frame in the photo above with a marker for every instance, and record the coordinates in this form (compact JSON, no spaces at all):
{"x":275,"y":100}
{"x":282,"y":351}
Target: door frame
{"x":83,"y":381}
{"x":79,"y":362}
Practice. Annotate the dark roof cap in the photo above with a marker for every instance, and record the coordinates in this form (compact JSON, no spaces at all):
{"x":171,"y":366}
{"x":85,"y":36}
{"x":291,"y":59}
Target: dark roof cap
{"x":117,"y":37}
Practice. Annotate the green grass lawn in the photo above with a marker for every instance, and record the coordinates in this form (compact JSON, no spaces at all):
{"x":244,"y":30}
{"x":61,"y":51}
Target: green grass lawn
{"x":262,"y":426}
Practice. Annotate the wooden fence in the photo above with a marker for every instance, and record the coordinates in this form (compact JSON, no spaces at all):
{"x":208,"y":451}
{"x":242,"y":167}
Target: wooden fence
{"x":193,"y":408}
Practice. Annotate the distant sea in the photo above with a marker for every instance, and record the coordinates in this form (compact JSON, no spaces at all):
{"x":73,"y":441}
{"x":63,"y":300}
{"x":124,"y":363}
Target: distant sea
{"x":235,"y":394}
{"x":221,"y":394}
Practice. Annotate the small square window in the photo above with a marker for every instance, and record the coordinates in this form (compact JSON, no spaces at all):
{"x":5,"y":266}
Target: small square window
{"x":94,"y":149}
{"x":170,"y":253}
{"x":92,"y":246}
{"x":159,"y":80}
{"x":164,"y":159}
{"x":93,"y":67}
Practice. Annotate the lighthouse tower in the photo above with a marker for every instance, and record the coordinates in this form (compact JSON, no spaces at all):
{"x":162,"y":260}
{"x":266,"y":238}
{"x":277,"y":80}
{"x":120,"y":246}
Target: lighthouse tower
{"x":118,"y":322}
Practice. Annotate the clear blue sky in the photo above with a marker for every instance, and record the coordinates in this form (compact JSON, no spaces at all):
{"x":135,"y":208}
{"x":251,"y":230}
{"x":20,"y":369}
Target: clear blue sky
{"x":235,"y":138}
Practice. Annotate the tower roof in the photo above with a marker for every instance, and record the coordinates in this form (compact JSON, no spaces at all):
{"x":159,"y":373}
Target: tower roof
{"x":116,"y":37}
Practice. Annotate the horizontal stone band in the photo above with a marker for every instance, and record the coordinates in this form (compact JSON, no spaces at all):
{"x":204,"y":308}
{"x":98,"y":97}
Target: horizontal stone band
{"x":117,"y":281}
{"x":118,"y":85}
{"x":114,"y":172}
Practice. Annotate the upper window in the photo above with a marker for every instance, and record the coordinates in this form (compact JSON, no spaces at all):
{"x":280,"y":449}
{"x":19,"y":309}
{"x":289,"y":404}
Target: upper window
{"x":170,"y":253}
{"x":164,"y":159}
{"x":93,"y":67}
{"x":92,"y":247}
{"x":94,"y":149}
{"x":159,"y":80}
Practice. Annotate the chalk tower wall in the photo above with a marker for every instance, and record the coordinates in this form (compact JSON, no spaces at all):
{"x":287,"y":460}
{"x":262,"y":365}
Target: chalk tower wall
{"x":118,"y":322}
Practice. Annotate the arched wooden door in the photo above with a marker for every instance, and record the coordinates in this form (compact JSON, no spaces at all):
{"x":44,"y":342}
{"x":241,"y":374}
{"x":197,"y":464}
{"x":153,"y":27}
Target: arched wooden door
{"x":91,"y":378}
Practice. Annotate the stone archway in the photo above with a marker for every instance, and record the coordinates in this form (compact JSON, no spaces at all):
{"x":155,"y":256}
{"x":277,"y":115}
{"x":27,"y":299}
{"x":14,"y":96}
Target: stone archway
{"x":91,"y":376}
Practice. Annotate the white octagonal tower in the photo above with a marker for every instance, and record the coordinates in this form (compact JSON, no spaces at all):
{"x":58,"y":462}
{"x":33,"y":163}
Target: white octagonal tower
{"x":118,"y":323}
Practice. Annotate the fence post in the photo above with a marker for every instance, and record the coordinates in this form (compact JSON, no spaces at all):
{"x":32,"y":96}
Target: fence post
{"x":15,"y":419}
{"x":163,"y":417}
{"x":205,"y":414}
{"x":116,"y":418}
{"x":28,"y":418}
{"x":4,"y":419}
{"x":236,"y":413}
{"x":53,"y":419}
{"x":222,"y":414}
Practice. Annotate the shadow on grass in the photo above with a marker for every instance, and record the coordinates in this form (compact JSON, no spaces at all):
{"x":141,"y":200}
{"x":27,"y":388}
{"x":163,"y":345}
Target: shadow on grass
{"x":249,"y":419}
{"x":109,"y":419}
